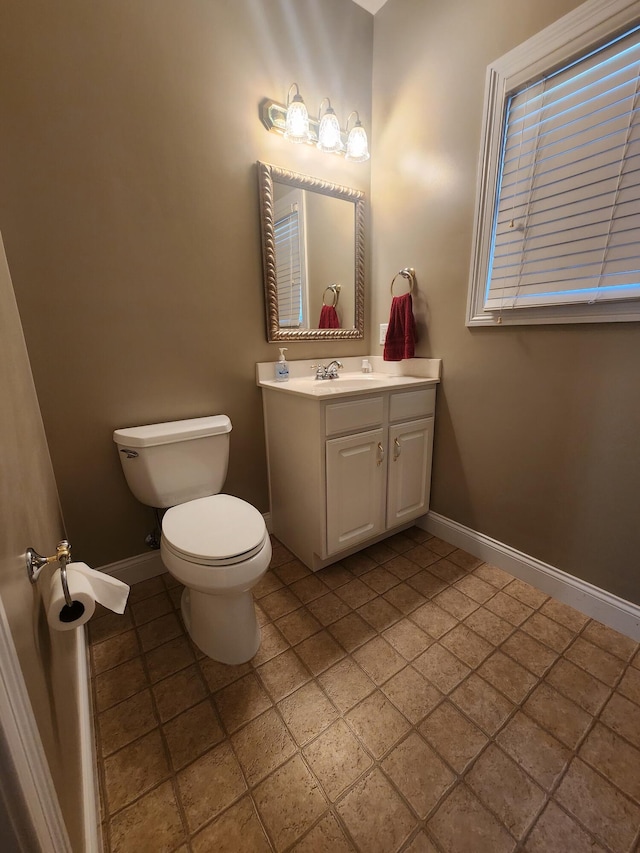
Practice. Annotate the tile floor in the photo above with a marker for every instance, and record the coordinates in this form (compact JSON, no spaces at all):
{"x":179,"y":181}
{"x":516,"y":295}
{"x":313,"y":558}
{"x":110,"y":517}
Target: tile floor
{"x":407,"y":699}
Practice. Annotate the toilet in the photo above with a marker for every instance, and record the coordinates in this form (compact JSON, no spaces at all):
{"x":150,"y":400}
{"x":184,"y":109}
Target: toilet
{"x":216,"y":545}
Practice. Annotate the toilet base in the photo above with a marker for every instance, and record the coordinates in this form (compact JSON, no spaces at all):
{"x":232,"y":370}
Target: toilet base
{"x":224,"y":627}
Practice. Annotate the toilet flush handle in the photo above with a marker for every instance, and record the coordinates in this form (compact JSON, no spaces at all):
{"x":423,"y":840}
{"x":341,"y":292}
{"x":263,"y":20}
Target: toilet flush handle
{"x":131,"y":454}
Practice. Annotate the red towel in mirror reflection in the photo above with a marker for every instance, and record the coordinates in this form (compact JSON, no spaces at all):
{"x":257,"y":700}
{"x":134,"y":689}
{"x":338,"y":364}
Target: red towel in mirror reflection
{"x":400,"y":341}
{"x":329,"y":318}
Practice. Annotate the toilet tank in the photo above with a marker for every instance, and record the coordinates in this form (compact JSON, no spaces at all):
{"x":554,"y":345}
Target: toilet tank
{"x":171,"y":463}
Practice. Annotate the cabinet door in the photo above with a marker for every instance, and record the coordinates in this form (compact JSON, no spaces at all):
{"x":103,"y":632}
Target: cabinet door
{"x":410,"y":447}
{"x":356,"y":474}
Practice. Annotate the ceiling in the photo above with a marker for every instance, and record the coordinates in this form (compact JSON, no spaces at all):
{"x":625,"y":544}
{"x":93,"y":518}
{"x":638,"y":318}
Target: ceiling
{"x":371,"y":5}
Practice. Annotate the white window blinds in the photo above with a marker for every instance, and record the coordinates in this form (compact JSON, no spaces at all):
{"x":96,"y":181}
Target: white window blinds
{"x":566,"y":226}
{"x":288,"y":269}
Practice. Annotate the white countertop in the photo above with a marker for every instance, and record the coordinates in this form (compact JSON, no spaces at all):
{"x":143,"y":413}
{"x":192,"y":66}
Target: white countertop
{"x":386,"y":376}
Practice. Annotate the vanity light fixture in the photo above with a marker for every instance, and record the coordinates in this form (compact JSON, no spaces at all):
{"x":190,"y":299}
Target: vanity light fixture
{"x":357,"y":144}
{"x":294,"y":123}
{"x":329,"y":130}
{"x":297,"y":118}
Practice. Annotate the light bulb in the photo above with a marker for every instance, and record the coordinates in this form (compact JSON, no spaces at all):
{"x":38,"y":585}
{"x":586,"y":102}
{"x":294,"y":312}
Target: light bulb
{"x":329,"y":132}
{"x":297,"y":122}
{"x":357,"y":144}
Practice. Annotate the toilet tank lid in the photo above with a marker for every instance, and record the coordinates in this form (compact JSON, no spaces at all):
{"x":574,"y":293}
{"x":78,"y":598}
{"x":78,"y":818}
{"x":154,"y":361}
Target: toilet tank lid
{"x":166,"y":433}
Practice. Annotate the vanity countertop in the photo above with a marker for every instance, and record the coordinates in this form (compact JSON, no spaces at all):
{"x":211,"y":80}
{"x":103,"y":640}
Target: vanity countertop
{"x":386,"y":376}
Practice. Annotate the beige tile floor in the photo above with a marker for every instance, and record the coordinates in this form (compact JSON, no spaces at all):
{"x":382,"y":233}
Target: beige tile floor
{"x":410,"y":698}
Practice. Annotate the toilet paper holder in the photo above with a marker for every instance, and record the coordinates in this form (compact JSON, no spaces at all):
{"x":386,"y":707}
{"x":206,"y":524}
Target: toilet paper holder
{"x":36,"y":563}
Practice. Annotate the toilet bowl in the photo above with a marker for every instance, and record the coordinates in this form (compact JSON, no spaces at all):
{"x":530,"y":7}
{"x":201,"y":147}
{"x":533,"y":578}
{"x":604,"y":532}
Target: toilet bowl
{"x":218,"y":548}
{"x":216,"y":545}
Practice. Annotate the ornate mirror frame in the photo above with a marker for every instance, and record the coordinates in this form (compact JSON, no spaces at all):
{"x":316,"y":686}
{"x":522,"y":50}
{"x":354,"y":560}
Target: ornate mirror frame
{"x":266,"y":175}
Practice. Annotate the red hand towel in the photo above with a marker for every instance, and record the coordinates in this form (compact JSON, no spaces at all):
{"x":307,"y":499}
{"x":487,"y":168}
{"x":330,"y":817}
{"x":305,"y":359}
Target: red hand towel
{"x":401,"y":333}
{"x":329,"y":318}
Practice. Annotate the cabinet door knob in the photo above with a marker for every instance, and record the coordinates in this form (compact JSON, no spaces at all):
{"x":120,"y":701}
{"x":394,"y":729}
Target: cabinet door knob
{"x":380,"y":453}
{"x":396,"y":449}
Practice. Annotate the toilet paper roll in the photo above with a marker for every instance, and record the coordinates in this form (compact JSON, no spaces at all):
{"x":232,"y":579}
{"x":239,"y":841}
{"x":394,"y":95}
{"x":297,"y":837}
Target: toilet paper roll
{"x":86,"y":587}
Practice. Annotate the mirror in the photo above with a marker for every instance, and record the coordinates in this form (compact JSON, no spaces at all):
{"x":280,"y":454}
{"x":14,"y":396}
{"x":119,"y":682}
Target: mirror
{"x":313,"y":257}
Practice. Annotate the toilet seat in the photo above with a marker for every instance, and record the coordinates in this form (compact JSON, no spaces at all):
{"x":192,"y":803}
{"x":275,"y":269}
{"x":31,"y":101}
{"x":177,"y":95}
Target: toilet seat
{"x":218,"y":530}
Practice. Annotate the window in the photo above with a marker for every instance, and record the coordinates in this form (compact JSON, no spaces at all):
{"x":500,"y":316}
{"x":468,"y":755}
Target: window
{"x":557,"y":234}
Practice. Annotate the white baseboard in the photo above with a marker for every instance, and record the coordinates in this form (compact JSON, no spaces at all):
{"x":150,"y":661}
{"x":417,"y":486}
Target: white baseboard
{"x":88,"y":758}
{"x":617,"y":613}
{"x":136,"y":569}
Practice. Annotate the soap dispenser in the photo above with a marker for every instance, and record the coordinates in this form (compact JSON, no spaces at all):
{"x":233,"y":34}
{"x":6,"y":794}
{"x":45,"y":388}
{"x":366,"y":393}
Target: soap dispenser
{"x":282,"y":367}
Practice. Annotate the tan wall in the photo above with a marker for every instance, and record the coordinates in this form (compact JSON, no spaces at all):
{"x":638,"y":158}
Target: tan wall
{"x":537,"y":427}
{"x":30,"y":516}
{"x":130,"y":214}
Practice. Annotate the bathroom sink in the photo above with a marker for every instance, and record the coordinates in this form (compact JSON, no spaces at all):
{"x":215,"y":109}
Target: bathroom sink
{"x":351,"y":381}
{"x":360,"y":377}
{"x":346,"y":383}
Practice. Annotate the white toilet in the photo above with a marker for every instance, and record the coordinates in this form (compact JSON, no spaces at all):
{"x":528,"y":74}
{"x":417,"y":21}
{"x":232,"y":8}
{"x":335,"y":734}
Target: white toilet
{"x":216,"y":545}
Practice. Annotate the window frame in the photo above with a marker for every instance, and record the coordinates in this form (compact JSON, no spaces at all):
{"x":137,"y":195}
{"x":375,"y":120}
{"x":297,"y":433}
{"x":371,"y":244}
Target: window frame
{"x":284,"y":208}
{"x":563,"y":41}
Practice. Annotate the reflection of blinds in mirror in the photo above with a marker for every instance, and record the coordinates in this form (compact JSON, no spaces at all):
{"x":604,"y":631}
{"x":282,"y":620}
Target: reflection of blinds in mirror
{"x":288,"y":269}
{"x":567,"y":224}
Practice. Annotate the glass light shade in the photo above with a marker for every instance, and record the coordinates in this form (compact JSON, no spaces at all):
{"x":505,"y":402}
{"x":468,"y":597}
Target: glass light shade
{"x":329,"y":133}
{"x":297,"y":121}
{"x":357,"y":144}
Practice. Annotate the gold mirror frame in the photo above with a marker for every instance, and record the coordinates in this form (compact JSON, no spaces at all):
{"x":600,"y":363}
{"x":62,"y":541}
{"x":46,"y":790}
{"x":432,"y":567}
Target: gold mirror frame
{"x":267,"y":174}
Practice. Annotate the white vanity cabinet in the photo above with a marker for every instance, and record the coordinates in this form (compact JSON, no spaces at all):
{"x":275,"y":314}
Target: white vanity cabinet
{"x":345,"y":472}
{"x":355,"y":489}
{"x":409,"y":478}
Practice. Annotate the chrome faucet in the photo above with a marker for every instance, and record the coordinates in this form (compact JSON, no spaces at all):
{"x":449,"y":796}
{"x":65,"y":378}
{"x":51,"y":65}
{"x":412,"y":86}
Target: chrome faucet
{"x":328,"y":372}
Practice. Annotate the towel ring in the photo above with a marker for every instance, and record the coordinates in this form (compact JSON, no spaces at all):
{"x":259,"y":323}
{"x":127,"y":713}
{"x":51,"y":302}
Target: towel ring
{"x":335,"y":289}
{"x":409,"y":273}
